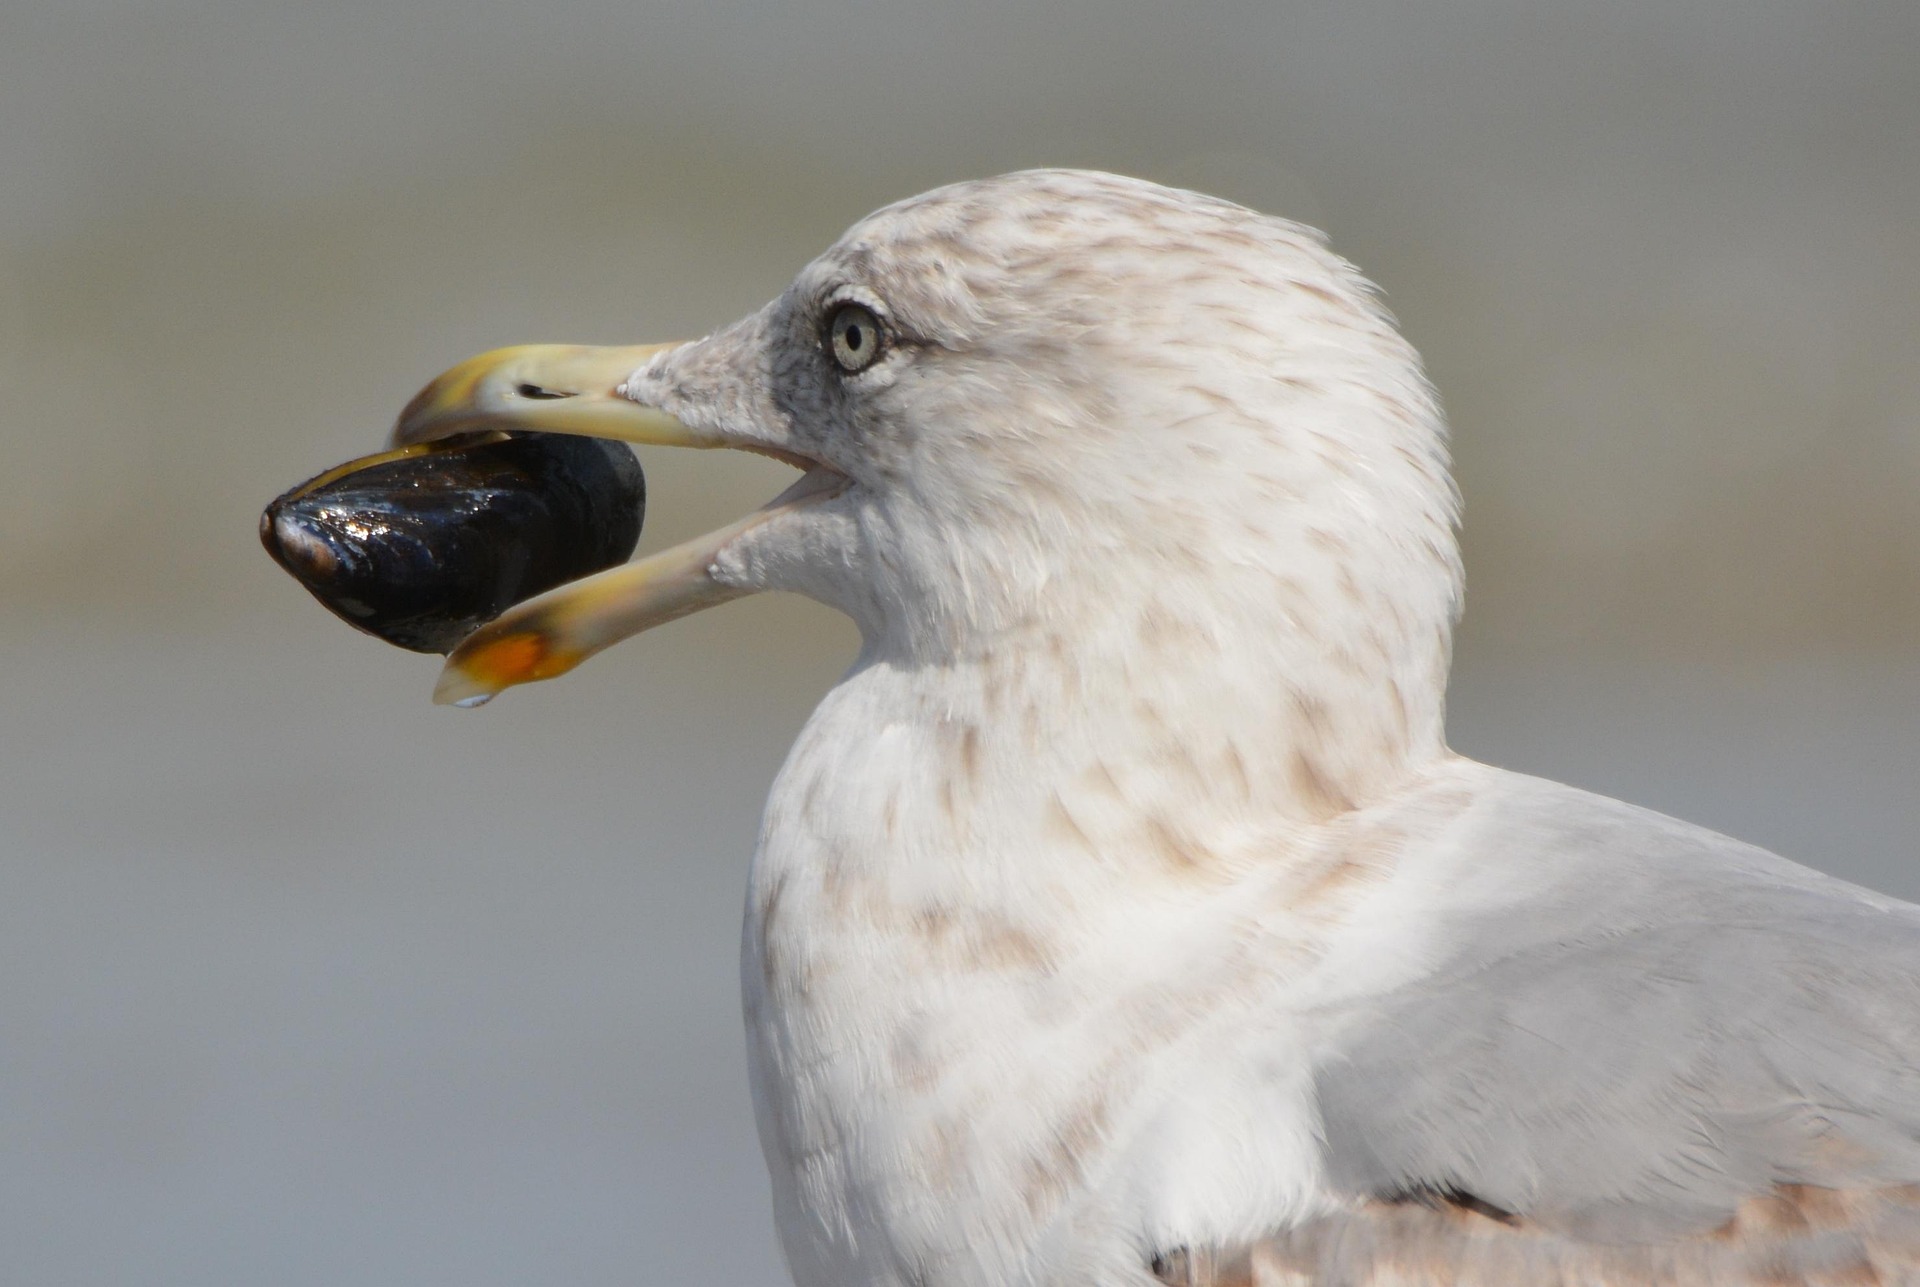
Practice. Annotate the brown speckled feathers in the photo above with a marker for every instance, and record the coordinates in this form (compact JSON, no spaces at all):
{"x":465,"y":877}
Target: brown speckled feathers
{"x":1796,"y":1236}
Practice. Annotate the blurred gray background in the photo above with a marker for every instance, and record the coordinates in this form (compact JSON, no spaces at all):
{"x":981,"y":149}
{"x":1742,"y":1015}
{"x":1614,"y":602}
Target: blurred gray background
{"x":306,"y":981}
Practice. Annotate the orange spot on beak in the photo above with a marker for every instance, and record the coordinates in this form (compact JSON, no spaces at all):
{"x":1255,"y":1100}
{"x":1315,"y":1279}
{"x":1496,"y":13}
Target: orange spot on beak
{"x":517,"y":659}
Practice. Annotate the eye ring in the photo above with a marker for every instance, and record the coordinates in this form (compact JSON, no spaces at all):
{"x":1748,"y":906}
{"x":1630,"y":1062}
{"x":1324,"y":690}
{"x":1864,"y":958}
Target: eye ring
{"x":855,"y":338}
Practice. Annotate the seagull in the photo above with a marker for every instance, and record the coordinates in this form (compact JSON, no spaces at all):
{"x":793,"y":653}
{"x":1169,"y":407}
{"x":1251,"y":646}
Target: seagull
{"x":1121,"y":917}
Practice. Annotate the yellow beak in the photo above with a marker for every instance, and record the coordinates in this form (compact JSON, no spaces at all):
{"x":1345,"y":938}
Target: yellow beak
{"x":555,"y":388}
{"x":577,"y":389}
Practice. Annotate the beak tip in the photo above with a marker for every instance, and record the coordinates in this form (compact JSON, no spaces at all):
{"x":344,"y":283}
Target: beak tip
{"x":555,"y":388}
{"x":457,"y":688}
{"x":494,"y":659}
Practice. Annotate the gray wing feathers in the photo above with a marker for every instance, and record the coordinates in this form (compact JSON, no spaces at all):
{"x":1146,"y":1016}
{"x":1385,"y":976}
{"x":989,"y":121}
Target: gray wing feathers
{"x":1680,"y":1023}
{"x":1673,"y":1059}
{"x":1636,"y":1088}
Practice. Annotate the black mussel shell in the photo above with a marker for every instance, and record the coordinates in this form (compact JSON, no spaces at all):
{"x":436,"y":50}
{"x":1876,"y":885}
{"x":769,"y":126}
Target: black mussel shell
{"x":419,"y":548}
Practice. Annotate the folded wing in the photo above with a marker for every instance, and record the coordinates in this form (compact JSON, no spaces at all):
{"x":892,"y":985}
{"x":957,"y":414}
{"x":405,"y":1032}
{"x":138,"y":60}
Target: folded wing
{"x":1683,"y":1060}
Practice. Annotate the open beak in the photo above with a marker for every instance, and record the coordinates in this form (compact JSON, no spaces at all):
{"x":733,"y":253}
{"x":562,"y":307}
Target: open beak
{"x":579,"y":389}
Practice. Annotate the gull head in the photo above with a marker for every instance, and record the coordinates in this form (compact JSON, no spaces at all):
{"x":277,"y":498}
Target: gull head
{"x":1051,"y":409}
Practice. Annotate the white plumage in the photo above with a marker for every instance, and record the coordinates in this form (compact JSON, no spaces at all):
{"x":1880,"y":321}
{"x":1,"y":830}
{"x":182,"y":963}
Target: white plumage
{"x":1122,"y":917}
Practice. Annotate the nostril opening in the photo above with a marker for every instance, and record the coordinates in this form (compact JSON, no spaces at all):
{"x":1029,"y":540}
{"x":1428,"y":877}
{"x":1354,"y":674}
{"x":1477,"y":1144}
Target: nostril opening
{"x":537,"y":392}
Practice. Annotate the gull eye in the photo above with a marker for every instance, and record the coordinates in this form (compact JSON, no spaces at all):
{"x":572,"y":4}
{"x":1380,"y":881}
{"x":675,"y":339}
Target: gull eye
{"x":854,"y":337}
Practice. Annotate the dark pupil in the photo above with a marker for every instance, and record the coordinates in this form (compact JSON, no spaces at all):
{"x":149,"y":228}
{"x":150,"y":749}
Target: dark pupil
{"x":854,"y":338}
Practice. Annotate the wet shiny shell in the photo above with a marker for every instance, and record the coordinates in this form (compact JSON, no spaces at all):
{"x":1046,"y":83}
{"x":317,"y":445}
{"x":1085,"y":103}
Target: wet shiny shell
{"x":418,"y":547}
